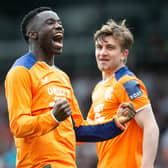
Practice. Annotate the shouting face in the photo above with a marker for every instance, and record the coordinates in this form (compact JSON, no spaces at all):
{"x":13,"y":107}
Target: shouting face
{"x":48,"y":31}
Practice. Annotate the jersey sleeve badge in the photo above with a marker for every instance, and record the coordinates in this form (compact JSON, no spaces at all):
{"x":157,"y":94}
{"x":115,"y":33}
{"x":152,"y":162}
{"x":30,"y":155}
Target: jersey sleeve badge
{"x":133,"y":89}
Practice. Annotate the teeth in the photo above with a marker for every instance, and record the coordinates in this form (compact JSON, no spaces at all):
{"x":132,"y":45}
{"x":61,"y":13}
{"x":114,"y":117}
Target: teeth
{"x":58,"y":36}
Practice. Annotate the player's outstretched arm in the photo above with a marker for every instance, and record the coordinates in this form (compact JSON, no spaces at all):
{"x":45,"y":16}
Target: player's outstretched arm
{"x":107,"y":130}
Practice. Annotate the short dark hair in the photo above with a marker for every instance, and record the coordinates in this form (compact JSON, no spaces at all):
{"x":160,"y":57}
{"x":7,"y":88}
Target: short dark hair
{"x":28,"y":17}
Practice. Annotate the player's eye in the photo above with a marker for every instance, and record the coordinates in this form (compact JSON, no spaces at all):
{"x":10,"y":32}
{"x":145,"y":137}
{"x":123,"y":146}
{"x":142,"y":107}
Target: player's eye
{"x":59,"y":22}
{"x":98,"y":46}
{"x":50,"y":22}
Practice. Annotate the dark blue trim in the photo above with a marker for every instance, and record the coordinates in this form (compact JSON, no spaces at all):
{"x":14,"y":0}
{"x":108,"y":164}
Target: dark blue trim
{"x":47,"y":166}
{"x":97,"y":133}
{"x":123,"y":71}
{"x":27,"y":60}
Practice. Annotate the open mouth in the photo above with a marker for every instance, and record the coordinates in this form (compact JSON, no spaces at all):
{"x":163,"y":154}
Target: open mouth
{"x":57,"y":40}
{"x":58,"y":37}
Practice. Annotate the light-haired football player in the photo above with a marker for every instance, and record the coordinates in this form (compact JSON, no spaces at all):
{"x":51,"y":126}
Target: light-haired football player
{"x":136,"y":147}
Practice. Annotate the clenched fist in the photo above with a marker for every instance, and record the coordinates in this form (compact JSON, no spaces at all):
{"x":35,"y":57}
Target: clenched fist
{"x":125,"y":112}
{"x":61,"y":109}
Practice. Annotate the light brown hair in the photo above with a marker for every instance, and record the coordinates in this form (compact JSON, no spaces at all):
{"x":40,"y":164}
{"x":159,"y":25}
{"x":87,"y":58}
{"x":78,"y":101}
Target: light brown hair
{"x":118,"y":30}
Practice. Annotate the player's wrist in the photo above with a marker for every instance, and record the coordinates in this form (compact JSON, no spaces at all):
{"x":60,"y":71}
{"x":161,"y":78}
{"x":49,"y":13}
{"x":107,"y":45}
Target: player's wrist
{"x":53,"y":116}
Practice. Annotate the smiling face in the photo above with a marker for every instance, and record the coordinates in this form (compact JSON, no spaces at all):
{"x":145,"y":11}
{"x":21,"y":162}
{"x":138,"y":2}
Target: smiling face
{"x":109,"y":55}
{"x":48,"y":31}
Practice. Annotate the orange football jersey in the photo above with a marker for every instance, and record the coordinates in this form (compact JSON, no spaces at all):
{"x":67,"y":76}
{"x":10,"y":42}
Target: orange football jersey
{"x":31,"y":90}
{"x":124,"y":150}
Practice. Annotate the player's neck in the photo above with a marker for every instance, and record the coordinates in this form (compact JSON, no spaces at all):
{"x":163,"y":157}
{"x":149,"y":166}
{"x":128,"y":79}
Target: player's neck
{"x":106,"y":75}
{"x":41,"y":56}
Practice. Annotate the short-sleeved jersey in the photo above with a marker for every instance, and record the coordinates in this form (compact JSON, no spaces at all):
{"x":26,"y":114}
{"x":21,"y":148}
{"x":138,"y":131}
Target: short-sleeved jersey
{"x":124,"y":150}
{"x":31,"y":90}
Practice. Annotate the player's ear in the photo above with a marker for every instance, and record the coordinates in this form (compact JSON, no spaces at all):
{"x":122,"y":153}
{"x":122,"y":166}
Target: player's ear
{"x":126,"y":51}
{"x":125,"y":54}
{"x":33,"y":35}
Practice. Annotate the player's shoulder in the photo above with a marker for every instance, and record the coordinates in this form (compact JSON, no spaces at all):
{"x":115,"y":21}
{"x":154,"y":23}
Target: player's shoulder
{"x":130,"y":82}
{"x":124,"y":74}
{"x":21,"y":66}
{"x":26,"y":61}
{"x":126,"y":77}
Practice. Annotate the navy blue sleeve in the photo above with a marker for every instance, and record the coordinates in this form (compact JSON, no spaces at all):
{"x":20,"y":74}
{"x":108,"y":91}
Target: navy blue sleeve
{"x":97,"y":133}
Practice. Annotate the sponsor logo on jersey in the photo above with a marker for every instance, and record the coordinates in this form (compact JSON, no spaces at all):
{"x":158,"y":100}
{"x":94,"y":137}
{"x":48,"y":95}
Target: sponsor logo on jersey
{"x":133,"y":89}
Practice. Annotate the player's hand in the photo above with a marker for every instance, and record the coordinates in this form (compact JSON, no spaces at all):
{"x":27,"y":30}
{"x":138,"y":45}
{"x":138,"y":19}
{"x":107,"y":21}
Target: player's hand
{"x":61,"y":109}
{"x":125,"y":112}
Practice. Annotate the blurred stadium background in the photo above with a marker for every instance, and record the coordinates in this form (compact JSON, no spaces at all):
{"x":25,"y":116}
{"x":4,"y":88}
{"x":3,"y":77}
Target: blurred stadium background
{"x":148,"y":58}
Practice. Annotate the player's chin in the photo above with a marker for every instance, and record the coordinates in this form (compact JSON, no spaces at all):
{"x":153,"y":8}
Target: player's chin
{"x":102,"y":68}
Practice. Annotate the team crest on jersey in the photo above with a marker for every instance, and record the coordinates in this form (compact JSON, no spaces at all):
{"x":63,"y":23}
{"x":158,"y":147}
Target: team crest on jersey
{"x":108,"y":93}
